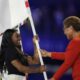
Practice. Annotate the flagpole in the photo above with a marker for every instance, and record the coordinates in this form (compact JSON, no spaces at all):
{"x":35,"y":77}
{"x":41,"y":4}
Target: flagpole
{"x":34,"y":33}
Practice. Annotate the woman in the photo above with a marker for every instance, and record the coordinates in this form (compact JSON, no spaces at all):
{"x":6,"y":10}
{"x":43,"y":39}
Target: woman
{"x":71,"y":56}
{"x":16,"y":62}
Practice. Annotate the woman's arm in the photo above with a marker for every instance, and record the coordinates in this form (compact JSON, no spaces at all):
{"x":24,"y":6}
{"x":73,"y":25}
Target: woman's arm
{"x":31,"y":60}
{"x":35,"y":58}
{"x":71,"y":56}
{"x":25,"y":69}
{"x":53,"y":55}
{"x":58,"y":55}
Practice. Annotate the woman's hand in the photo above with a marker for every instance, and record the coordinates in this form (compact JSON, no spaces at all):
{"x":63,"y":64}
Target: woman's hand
{"x":42,"y":68}
{"x":35,"y":38}
{"x":45,"y":53}
{"x":52,"y":78}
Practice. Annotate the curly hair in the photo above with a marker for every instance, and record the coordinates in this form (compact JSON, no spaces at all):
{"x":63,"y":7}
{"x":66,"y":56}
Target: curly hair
{"x":73,"y":21}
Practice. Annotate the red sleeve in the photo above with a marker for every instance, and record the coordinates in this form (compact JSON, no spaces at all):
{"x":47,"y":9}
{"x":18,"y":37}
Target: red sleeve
{"x":71,"y":55}
{"x":58,"y":55}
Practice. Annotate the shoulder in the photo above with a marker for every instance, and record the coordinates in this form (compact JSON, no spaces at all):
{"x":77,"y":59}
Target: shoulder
{"x":10,"y":50}
{"x":75,"y":43}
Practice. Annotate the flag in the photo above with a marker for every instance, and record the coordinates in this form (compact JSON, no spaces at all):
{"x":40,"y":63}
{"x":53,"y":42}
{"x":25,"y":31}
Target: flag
{"x":26,"y":3}
{"x":34,"y":33}
{"x":18,"y":11}
{"x":12,"y":13}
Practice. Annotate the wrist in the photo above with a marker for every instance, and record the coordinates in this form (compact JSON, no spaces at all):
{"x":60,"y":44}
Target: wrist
{"x":39,"y":69}
{"x":49,"y":54}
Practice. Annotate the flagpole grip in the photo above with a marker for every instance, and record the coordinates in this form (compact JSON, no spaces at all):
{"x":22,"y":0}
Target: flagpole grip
{"x":34,"y":33}
{"x":37,"y":44}
{"x":41,"y":60}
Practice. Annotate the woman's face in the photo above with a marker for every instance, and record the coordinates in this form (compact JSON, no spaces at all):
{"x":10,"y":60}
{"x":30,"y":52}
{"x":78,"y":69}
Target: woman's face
{"x":16,"y":38}
{"x":69,"y":32}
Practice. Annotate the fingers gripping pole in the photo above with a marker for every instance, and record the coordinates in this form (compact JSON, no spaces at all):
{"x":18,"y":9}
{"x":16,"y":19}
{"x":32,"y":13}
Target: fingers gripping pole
{"x":38,"y":48}
{"x":37,"y":44}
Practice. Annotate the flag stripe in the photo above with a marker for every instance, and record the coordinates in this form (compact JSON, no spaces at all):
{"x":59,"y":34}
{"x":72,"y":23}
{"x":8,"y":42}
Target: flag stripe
{"x":27,"y":4}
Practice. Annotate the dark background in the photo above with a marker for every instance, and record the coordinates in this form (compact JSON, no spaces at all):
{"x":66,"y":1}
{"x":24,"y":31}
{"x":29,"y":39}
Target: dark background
{"x":48,"y":16}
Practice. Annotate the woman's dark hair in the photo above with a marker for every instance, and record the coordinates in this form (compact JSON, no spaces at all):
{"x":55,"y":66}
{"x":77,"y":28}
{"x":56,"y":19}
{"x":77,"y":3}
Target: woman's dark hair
{"x":73,"y":21}
{"x":6,"y":43}
{"x":6,"y":38}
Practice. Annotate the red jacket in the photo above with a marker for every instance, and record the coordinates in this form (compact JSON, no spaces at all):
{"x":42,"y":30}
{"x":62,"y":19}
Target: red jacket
{"x":71,"y":59}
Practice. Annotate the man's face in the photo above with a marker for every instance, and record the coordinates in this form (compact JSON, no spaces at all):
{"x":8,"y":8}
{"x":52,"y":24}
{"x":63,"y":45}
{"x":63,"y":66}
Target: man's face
{"x":69,"y":32}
